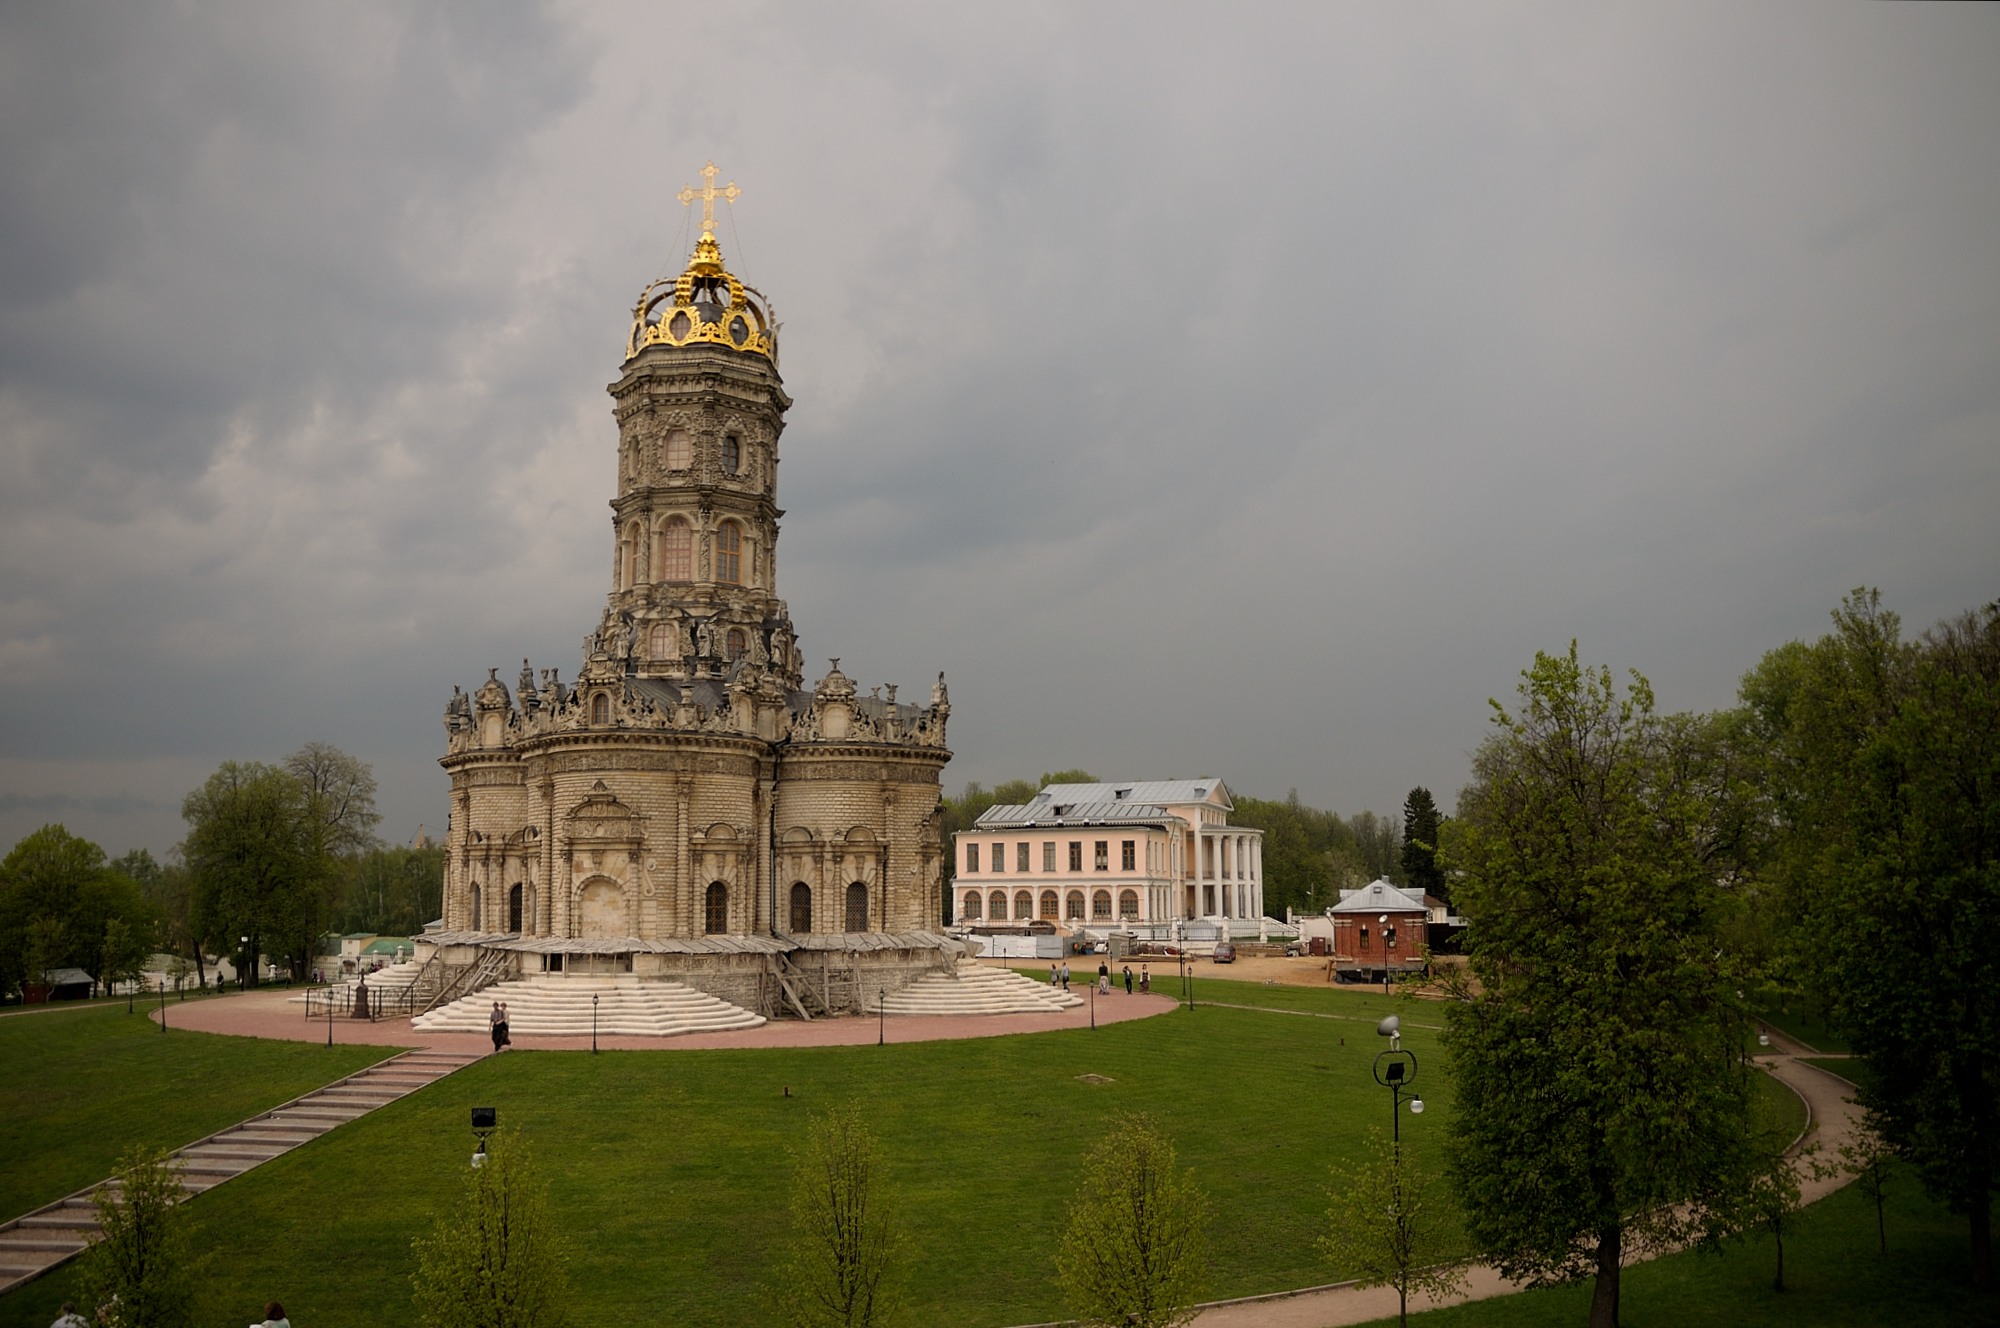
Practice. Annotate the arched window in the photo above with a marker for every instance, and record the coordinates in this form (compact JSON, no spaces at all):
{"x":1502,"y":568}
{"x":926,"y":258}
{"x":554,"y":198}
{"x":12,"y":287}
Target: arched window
{"x":514,"y":909}
{"x":676,"y":552}
{"x":1100,"y":906}
{"x":1024,"y":905}
{"x":478,"y":923}
{"x":857,"y":907}
{"x":971,"y":909}
{"x":802,"y":907}
{"x":677,"y":449}
{"x":1050,"y":905}
{"x":738,"y":643}
{"x":600,"y":708}
{"x":1128,"y":905}
{"x":732,"y":454}
{"x":628,"y":549}
{"x":1073,"y":906}
{"x":716,"y":918}
{"x":731,"y":555}
{"x":661,"y":641}
{"x":996,"y":906}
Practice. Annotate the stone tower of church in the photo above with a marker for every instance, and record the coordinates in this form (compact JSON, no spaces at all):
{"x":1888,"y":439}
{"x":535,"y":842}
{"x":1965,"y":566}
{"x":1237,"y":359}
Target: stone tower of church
{"x":689,"y":800}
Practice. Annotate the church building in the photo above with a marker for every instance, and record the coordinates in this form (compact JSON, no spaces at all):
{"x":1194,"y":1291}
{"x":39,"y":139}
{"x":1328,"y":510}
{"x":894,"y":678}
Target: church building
{"x":690,"y":806}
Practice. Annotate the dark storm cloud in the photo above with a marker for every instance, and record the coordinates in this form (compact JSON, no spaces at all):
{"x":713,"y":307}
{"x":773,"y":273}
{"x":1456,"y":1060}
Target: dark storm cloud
{"x":1246,"y":393}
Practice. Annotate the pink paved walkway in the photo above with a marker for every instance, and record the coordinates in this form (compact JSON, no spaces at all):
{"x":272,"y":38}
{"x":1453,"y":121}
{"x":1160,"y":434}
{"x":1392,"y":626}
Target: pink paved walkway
{"x":271,"y":1014}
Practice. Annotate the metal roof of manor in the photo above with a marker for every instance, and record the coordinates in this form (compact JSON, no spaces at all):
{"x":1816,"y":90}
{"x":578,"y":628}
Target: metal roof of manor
{"x":1157,"y":793}
{"x":1050,"y":814}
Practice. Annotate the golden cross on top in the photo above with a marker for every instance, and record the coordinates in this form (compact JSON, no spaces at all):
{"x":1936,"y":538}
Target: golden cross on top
{"x":708,"y":193}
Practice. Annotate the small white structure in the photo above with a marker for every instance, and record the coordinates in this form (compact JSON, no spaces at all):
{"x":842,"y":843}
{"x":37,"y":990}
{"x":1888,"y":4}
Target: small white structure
{"x":1135,"y":854}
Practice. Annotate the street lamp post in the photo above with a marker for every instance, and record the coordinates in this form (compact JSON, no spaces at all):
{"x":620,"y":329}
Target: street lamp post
{"x":484,"y":1121}
{"x":593,"y":1023}
{"x":881,"y":1016}
{"x":163,"y":1005}
{"x":1396,"y":1070}
{"x":243,"y":973}
{"x":1093,"y":1005}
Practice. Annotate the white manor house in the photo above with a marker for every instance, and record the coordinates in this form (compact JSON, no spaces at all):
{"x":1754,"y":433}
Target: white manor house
{"x":692,"y":808}
{"x":1137,"y":856}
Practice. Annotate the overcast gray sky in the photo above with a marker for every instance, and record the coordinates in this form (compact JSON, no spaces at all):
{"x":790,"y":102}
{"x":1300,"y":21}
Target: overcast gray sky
{"x":1245,"y":390}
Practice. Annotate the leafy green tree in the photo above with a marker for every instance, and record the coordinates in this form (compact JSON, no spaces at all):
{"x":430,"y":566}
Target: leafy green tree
{"x":1135,"y":1251}
{"x":1310,"y":855}
{"x":1872,"y":1162}
{"x":1884,"y":783}
{"x":250,"y":857}
{"x":498,"y":1259}
{"x":123,"y":954}
{"x":1602,"y":1096}
{"x":1380,"y":845}
{"x":1420,"y":844}
{"x":55,"y":875}
{"x":137,"y":1268}
{"x":839,"y":1270}
{"x":1392,"y":1224}
{"x":392,"y":891}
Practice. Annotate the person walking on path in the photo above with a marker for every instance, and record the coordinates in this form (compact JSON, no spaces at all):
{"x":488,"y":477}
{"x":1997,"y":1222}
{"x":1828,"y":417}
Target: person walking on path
{"x":1103,"y":978}
{"x":1145,"y":980}
{"x":69,"y":1318}
{"x":274,"y":1317}
{"x":1065,"y":975}
{"x":496,"y":1023}
{"x":1128,"y":979}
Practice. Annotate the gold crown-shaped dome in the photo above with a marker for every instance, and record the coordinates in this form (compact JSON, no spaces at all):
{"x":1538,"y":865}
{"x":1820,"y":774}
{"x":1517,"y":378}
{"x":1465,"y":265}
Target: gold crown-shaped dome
{"x":704,"y":306}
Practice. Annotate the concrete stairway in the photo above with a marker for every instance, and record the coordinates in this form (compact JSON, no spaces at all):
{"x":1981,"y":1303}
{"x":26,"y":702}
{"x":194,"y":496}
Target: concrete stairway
{"x":382,"y":983}
{"x":52,"y":1235}
{"x":976,"y":989}
{"x":549,"y":1005}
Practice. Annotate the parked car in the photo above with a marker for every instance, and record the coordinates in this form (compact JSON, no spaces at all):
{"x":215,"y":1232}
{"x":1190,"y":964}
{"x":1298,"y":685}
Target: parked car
{"x":1225,"y":953}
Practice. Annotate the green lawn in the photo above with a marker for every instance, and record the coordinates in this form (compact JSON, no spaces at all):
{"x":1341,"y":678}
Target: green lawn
{"x":1844,"y":1066}
{"x":1805,"y":1026}
{"x":1834,"y":1279}
{"x":671,"y":1167}
{"x":81,"y":1086}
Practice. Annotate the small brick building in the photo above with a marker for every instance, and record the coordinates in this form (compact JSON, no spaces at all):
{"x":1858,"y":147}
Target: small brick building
{"x":1377,"y":930}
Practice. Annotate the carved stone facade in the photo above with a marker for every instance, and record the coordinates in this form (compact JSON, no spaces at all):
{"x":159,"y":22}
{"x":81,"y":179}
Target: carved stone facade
{"x":689,"y":784}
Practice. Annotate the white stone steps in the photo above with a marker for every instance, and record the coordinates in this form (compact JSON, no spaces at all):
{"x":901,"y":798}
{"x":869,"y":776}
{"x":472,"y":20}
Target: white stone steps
{"x":973,"y":989}
{"x":562,"y":1007}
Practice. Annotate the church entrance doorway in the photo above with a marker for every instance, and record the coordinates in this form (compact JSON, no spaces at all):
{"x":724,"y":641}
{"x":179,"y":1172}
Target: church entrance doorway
{"x":600,"y":910}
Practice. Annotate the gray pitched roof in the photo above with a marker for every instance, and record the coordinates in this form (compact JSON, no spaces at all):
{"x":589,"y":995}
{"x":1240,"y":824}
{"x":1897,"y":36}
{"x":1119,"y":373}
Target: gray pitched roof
{"x":1049,"y":815}
{"x":1159,"y":792}
{"x":1378,"y":897}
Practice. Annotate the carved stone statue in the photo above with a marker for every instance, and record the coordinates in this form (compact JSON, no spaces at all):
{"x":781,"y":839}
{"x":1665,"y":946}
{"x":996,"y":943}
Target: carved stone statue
{"x":704,"y":639}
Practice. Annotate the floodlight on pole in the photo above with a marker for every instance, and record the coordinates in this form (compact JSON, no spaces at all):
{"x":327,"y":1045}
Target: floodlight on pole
{"x":1396,"y":1070}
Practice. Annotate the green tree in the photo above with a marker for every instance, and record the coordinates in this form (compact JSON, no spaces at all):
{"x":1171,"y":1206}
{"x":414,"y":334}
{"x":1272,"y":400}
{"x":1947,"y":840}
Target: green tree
{"x":123,"y":953}
{"x":1420,"y":844}
{"x":392,"y":891}
{"x":1601,"y":1089}
{"x":1884,"y":783}
{"x":1872,"y":1162}
{"x":1135,"y":1251}
{"x":496,"y":1260}
{"x":53,"y":874}
{"x":250,"y":856}
{"x":1391,"y":1224}
{"x":1310,"y":854}
{"x":136,"y":1269}
{"x":839,"y":1269}
{"x":1380,"y":845}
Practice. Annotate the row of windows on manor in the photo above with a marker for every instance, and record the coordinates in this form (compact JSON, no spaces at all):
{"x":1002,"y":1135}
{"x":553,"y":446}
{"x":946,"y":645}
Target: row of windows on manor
{"x":715,"y":907}
{"x":673,"y":553}
{"x":1128,"y":856}
{"x":995,"y":906}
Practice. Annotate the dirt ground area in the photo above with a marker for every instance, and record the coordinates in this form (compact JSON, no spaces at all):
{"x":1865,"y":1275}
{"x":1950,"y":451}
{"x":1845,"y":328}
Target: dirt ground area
{"x":1301,"y":972}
